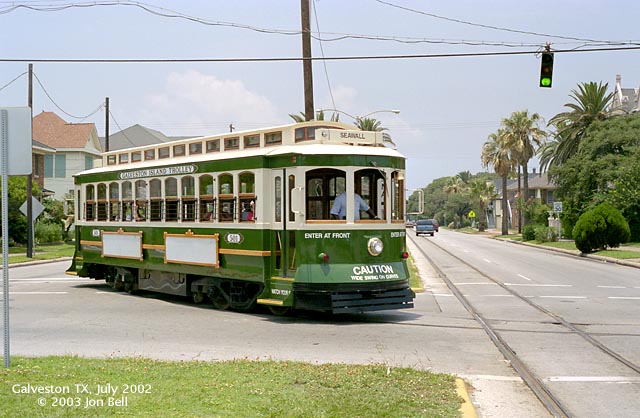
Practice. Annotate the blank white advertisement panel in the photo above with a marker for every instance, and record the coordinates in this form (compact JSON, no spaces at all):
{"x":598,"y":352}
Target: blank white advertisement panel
{"x":189,"y":248}
{"x":122,"y":244}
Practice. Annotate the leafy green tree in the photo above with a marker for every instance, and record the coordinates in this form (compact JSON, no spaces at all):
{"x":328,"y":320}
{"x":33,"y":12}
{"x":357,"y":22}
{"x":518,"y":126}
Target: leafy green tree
{"x":592,"y":103}
{"x":605,"y":169}
{"x":17,"y":192}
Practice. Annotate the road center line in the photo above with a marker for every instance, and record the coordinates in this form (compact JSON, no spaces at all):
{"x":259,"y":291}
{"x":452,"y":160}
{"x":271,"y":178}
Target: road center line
{"x":612,"y":287}
{"x":524,"y":277}
{"x":624,"y":297}
{"x":563,"y":297}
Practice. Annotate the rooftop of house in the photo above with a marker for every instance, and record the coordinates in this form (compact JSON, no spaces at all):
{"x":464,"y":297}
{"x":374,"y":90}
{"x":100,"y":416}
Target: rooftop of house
{"x":53,"y":131}
{"x":136,"y":136}
{"x":627,"y":99}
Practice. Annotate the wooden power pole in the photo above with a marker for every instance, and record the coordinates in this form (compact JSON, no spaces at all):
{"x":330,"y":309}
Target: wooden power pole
{"x":309,"y":113}
{"x":106,"y":124}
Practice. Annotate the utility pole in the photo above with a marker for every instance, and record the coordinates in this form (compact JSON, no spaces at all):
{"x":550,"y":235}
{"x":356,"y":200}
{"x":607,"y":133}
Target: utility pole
{"x":106,"y":124}
{"x":306,"y":61}
{"x":30,"y":176}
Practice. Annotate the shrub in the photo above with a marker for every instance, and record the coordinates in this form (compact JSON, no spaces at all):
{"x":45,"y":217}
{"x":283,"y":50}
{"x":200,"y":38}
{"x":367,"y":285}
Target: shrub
{"x":528,"y":232}
{"x":599,"y":228}
{"x":545,"y":234}
{"x":48,"y":232}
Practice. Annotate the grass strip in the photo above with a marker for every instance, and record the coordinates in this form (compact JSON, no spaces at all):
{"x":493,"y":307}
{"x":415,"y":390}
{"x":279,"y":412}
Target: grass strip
{"x":238,"y":388}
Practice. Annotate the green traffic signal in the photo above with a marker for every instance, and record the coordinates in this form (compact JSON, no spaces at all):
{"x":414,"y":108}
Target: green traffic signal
{"x":546,"y":69}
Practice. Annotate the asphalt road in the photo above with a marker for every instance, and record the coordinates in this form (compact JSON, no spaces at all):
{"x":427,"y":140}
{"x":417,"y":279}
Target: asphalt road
{"x":600,"y":298}
{"x":55,"y":314}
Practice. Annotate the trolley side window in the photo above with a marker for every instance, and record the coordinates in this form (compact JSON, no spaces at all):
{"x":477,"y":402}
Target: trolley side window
{"x":397,"y":196}
{"x":188,"y":199}
{"x":371,"y":185}
{"x":247,"y":197}
{"x":90,"y":204}
{"x":207,"y":201}
{"x":322,"y":187}
{"x":155,"y":203}
{"x":226,"y":199}
{"x":171,"y":199}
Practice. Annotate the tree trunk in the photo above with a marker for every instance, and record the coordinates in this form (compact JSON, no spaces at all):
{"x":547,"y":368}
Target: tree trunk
{"x":505,"y":207}
{"x":525,"y":168}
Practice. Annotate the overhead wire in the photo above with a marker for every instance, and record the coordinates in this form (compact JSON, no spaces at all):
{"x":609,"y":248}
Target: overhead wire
{"x":82,"y":118}
{"x":324,"y":62}
{"x":338,"y":58}
{"x":12,"y":81}
{"x":172,"y":14}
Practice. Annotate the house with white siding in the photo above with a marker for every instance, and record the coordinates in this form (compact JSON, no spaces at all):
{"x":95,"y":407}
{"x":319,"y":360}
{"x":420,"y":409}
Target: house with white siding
{"x":77,"y":148}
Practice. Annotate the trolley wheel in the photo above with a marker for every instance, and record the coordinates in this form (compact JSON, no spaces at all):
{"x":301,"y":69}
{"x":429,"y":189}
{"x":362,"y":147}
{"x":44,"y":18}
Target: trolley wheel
{"x":279,"y":310}
{"x":219,"y":300}
{"x":197,"y":297}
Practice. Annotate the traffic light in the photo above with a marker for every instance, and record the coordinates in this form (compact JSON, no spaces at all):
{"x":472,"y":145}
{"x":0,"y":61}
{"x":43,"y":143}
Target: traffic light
{"x":546,"y":69}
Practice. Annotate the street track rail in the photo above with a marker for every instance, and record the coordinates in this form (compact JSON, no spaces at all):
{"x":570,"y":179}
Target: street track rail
{"x":551,"y":402}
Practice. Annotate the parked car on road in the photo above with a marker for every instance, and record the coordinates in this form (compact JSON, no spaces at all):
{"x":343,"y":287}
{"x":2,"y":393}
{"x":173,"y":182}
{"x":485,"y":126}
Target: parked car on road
{"x":425,"y":226}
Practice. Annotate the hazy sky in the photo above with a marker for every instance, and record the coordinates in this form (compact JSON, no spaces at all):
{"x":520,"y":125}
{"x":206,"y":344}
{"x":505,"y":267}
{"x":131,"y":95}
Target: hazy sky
{"x":449,"y":105}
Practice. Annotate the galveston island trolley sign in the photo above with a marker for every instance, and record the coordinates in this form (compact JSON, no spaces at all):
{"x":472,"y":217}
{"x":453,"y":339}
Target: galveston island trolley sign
{"x":157,"y":172}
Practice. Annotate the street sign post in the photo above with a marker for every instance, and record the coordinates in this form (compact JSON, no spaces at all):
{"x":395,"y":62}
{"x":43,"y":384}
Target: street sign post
{"x":15,"y":160}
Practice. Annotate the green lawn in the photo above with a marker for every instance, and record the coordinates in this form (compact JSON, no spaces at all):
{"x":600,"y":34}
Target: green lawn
{"x":240,"y":388}
{"x":40,"y":252}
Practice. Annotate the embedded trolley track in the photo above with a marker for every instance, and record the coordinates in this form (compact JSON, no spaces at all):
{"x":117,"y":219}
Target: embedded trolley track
{"x":548,"y":399}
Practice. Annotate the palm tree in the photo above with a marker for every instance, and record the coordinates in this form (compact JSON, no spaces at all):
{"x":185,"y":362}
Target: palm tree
{"x":523,"y":132}
{"x":319,"y":116}
{"x":483,"y":192}
{"x":592,"y":103}
{"x":497,"y":152}
{"x":369,"y":124}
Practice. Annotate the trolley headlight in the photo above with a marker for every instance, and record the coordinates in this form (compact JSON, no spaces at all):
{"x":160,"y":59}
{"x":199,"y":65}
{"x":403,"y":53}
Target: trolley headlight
{"x":375,"y":246}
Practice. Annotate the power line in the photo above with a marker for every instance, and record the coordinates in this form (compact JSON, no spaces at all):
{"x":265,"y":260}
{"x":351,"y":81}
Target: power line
{"x":324,"y":62}
{"x":487,"y":26}
{"x":172,"y":14}
{"x":12,"y":81}
{"x":61,"y":109}
{"x":285,"y":59}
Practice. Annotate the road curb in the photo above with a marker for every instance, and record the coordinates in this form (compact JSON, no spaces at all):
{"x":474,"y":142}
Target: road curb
{"x":575,"y":254}
{"x":36,"y":262}
{"x":466,"y":409}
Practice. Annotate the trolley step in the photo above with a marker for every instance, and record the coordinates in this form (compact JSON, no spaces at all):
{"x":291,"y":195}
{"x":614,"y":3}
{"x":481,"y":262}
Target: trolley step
{"x":272,"y":302}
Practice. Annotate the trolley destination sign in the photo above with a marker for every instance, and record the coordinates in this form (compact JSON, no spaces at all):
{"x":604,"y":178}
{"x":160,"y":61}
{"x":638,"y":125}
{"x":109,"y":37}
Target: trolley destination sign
{"x":155,"y":172}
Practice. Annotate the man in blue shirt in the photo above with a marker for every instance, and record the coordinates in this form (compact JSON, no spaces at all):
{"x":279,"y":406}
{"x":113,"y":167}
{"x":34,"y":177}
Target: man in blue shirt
{"x":339,"y":208}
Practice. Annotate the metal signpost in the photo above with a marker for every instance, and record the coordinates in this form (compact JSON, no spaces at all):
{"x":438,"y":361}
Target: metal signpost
{"x":15,"y":159}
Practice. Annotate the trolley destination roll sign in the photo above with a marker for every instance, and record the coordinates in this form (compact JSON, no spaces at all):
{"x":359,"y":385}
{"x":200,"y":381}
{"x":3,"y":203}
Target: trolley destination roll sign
{"x":154,"y":172}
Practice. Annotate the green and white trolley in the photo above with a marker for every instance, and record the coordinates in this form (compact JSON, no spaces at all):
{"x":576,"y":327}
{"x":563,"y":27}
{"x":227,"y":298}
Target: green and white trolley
{"x":244,"y":218}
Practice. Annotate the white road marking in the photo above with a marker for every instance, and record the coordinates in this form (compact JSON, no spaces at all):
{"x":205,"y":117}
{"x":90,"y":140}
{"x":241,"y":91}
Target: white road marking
{"x":612,"y":379}
{"x":35,"y":293}
{"x":624,"y":297}
{"x":524,"y":277}
{"x":487,"y":260}
{"x":563,"y":297}
{"x":474,"y":283}
{"x":612,"y":287}
{"x":538,"y":285}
